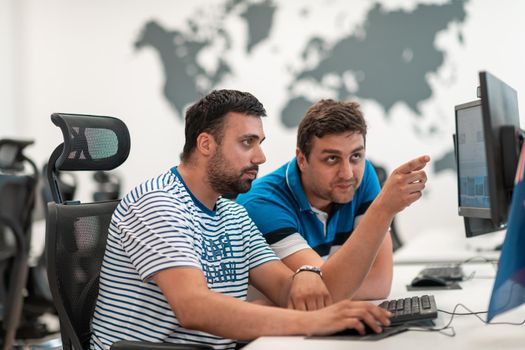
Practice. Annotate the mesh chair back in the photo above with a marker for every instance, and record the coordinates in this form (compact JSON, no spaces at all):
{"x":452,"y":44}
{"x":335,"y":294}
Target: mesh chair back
{"x":90,"y":143}
{"x":11,"y":154}
{"x":75,"y":245}
{"x":17,"y":198}
{"x":76,"y":233}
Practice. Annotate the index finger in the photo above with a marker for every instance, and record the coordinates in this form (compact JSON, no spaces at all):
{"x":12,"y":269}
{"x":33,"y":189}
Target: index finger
{"x":382,"y":315}
{"x":414,"y":165}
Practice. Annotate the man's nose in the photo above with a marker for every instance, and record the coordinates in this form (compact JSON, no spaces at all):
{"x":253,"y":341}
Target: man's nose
{"x":346,"y":171}
{"x":258,"y":157}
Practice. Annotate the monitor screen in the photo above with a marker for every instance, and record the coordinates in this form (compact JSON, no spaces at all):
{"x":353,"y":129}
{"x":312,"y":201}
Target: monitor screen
{"x":474,"y":200}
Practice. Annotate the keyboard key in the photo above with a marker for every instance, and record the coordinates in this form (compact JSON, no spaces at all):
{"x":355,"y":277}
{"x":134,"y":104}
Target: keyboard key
{"x":411,"y":309}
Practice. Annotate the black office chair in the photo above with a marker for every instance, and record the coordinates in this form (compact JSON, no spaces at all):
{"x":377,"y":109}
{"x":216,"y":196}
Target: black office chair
{"x":108,"y":186}
{"x":396,"y":240}
{"x":17,"y":190}
{"x":76,"y":232}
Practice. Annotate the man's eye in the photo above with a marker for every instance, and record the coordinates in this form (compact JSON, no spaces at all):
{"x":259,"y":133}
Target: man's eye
{"x":356,"y":157}
{"x":331,"y":159}
{"x":247,"y":142}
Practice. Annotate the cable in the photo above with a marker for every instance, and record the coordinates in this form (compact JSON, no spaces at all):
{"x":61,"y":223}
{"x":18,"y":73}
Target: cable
{"x":454,"y":313}
{"x":479,"y":257}
{"x":471,"y":276}
{"x":476,"y":313}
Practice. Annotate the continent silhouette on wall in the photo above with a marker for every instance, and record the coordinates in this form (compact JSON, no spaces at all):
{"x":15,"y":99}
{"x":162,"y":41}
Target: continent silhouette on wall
{"x":389,"y":58}
{"x":185,"y":80}
{"x":386,"y":60}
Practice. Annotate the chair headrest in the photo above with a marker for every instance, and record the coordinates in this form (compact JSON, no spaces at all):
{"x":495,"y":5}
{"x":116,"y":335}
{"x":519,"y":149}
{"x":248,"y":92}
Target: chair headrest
{"x":91,"y":142}
{"x":12,"y":154}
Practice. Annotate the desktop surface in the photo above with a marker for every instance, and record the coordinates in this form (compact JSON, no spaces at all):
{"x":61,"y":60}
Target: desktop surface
{"x":446,"y":246}
{"x":471,"y":333}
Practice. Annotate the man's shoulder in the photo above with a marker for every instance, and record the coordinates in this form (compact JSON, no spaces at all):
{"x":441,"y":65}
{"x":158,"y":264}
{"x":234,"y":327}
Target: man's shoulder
{"x":162,"y":186}
{"x":370,"y":179}
{"x":268,"y":188}
{"x":227,"y":206}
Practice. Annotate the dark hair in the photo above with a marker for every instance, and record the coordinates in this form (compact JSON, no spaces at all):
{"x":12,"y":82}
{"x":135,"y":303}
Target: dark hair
{"x":328,"y":117}
{"x":207,"y":115}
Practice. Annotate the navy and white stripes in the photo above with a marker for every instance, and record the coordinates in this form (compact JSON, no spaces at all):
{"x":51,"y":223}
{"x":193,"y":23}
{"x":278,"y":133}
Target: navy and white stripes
{"x":160,"y":225}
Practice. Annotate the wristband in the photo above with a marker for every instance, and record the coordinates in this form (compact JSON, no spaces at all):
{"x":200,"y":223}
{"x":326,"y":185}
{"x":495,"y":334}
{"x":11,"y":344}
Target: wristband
{"x":310,"y":268}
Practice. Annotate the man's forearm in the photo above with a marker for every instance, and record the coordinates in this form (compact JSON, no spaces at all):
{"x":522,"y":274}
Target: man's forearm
{"x":212,"y":312}
{"x":346,"y":269}
{"x":378,"y":282}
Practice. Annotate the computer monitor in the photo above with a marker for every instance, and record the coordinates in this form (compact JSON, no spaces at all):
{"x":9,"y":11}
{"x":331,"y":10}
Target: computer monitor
{"x":487,"y":148}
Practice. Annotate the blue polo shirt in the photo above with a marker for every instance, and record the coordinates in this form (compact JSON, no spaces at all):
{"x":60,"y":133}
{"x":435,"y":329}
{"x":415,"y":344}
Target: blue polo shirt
{"x":279,"y":207}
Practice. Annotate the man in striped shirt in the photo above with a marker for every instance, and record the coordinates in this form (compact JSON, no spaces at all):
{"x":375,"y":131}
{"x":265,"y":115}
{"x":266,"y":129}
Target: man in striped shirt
{"x":179,"y":256}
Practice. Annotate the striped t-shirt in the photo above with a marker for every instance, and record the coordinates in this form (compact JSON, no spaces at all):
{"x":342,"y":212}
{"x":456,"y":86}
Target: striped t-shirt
{"x":160,"y":225}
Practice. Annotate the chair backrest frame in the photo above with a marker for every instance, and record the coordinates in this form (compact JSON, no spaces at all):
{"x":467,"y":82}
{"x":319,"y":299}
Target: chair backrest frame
{"x":67,"y":241}
{"x":76,"y":233}
{"x":14,"y":301}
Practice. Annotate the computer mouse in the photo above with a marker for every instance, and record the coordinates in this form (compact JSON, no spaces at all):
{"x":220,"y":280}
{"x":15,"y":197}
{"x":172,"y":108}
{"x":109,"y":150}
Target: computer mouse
{"x":428,"y":281}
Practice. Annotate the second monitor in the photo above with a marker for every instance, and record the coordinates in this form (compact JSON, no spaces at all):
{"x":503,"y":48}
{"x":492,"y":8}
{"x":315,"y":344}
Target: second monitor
{"x":487,"y":141}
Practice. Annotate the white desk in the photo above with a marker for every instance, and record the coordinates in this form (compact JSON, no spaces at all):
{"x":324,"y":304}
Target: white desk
{"x":438,"y":246}
{"x":471,"y":333}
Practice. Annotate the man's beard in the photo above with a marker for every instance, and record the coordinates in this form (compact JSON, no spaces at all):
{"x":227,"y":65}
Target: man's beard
{"x":337,"y":197}
{"x":224,"y":181}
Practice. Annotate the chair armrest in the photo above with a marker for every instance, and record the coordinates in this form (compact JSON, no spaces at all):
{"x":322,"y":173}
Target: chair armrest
{"x":136,"y":345}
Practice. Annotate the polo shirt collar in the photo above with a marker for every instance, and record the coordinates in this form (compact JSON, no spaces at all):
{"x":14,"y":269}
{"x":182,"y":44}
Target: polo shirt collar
{"x":293,"y":181}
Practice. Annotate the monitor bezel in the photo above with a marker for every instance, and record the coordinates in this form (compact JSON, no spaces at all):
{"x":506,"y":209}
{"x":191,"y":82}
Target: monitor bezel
{"x":492,"y":87}
{"x":465,"y":211}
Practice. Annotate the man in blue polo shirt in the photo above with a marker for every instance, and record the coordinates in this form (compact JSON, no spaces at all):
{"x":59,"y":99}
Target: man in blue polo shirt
{"x":325,"y":207}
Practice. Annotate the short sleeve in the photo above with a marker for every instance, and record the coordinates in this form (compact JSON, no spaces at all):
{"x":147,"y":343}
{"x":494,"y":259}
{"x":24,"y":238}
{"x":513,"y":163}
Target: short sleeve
{"x":290,"y":245}
{"x":275,"y":220}
{"x":260,"y":252}
{"x":155,"y":233}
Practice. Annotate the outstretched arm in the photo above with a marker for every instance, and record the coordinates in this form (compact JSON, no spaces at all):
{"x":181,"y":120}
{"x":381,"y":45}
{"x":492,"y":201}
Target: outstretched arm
{"x":345,"y":271}
{"x":197,"y":307}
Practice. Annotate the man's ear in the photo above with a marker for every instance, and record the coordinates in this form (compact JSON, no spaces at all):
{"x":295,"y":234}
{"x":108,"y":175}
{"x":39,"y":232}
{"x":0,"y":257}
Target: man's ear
{"x":301,"y":159}
{"x":206,"y":144}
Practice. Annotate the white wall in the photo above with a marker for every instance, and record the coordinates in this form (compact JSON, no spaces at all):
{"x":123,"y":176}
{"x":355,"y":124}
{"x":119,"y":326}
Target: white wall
{"x":7,"y":67}
{"x":77,"y":56}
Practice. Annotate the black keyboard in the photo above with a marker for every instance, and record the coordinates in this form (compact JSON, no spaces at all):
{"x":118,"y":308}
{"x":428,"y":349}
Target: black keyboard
{"x":411,"y":309}
{"x":447,"y":273}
